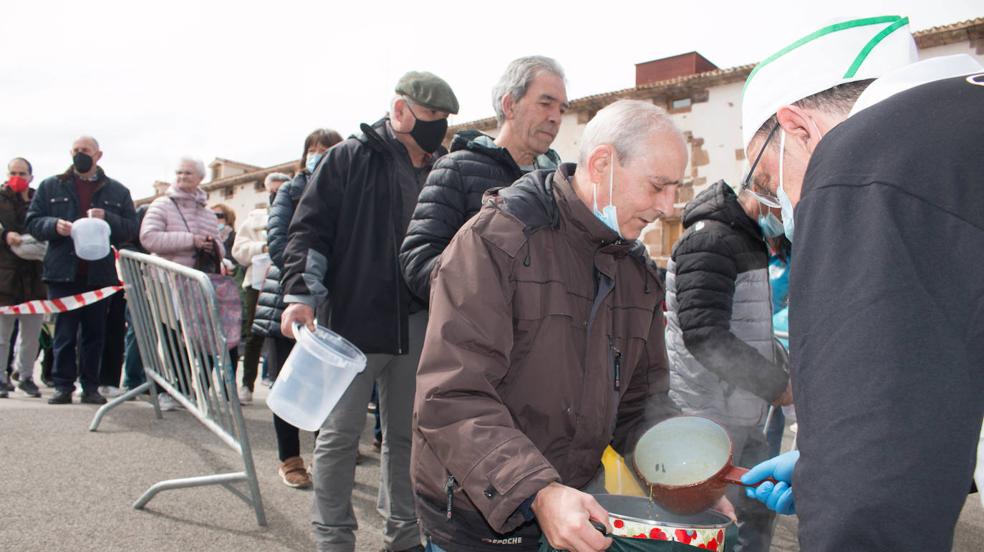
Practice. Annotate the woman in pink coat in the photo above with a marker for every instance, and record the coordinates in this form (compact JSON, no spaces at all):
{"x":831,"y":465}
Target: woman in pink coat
{"x":165,"y":233}
{"x":178,"y":225}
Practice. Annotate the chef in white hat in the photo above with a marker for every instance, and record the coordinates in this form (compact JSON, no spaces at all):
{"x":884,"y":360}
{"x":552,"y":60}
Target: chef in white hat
{"x":877,"y":162}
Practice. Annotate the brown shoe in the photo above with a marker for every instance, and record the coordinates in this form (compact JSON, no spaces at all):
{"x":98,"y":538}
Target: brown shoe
{"x":293,"y":473}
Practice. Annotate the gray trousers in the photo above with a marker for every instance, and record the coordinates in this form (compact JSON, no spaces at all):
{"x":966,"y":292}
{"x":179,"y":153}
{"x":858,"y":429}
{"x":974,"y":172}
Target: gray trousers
{"x":334,"y":455}
{"x":755,"y":521}
{"x":26,"y":350}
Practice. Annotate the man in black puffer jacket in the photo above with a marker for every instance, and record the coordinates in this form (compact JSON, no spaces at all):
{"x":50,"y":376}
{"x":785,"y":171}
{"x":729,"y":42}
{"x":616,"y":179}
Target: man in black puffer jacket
{"x":529,"y":100}
{"x":723,"y":359}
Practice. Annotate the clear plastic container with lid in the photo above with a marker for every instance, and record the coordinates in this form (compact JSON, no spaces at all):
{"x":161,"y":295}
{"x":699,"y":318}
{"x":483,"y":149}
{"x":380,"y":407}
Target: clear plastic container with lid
{"x":317,"y":373}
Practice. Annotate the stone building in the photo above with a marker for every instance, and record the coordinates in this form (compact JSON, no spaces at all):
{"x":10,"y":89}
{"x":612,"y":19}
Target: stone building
{"x":703,"y":100}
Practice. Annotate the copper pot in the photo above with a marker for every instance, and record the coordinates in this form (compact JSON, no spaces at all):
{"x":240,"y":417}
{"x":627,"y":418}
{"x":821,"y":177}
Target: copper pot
{"x":686,"y":463}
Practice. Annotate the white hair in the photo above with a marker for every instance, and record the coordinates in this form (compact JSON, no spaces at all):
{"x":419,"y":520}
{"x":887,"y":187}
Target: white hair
{"x":624,"y":125}
{"x":274,"y":177}
{"x":195,"y":162}
{"x":517,"y":78}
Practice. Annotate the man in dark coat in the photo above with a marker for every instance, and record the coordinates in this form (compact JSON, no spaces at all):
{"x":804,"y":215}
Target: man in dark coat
{"x":343,"y":246}
{"x":529,"y":101}
{"x":881,"y":181}
{"x":82,"y":191}
{"x":20,"y":279}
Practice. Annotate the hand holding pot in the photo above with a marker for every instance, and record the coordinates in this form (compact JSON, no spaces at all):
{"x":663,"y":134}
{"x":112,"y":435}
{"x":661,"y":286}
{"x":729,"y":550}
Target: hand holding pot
{"x":565,"y":515}
{"x":777,"y":497}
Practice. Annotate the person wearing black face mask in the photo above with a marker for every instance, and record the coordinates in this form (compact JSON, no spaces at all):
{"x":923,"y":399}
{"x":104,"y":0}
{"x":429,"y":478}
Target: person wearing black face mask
{"x":83,"y":190}
{"x":343,"y":247}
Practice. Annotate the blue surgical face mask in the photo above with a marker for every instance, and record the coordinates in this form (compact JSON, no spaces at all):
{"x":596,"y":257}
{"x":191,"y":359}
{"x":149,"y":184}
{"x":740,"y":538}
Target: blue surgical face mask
{"x":784,"y":203}
{"x":312,"y":161}
{"x":608,"y":215}
{"x":771,"y":226}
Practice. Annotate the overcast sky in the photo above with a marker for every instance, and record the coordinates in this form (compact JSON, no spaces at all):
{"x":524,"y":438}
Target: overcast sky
{"x":153,"y":81}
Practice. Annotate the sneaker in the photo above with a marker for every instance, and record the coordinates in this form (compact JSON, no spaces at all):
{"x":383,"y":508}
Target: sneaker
{"x":245,"y":395}
{"x":92,"y":397}
{"x":8,"y":386}
{"x":48,"y":382}
{"x":167,"y":402}
{"x":293,"y":474}
{"x":110,"y":391}
{"x":29,"y":387}
{"x":61,"y":397}
{"x":4,"y":394}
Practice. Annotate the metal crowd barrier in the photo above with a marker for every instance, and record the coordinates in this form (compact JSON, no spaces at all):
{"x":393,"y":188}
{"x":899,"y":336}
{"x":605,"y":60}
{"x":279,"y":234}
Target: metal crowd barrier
{"x":175,"y":317}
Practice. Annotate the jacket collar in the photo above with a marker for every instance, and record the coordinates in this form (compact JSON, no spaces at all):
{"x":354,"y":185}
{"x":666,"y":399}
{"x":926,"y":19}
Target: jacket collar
{"x":197,"y":197}
{"x":719,"y":202}
{"x":70,"y":175}
{"x":379,"y":136}
{"x":473,"y":140}
{"x":582,"y":221}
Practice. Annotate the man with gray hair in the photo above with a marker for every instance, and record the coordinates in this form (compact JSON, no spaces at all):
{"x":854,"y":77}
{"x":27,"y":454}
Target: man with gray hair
{"x":529,"y":101}
{"x":251,"y":242}
{"x":545,"y":343}
{"x":82,"y":191}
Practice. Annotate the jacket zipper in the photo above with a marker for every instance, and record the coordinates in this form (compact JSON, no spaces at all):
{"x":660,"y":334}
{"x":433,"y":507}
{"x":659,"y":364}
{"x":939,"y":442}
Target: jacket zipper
{"x":616,"y":356}
{"x":618,"y":370}
{"x":449,"y":487}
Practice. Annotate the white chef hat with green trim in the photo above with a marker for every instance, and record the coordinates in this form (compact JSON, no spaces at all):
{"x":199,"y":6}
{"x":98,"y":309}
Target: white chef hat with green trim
{"x":839,"y":53}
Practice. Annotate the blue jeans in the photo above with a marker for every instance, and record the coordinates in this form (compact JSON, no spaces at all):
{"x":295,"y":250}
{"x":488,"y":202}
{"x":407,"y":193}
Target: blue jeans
{"x":92,"y":319}
{"x":431,"y":547}
{"x":133,"y":371}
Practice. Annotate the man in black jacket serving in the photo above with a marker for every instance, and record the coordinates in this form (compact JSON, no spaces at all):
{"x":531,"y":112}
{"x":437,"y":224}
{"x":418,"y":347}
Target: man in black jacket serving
{"x":344,"y":241}
{"x":881,"y":193}
{"x":529,"y":101}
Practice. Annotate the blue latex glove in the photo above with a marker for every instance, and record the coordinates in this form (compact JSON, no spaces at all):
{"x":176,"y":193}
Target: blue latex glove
{"x":777,"y":497}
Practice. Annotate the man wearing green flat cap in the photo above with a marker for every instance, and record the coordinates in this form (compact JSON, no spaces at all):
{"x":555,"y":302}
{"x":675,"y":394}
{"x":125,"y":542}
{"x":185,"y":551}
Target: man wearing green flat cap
{"x":344,"y":241}
{"x":875,"y":160}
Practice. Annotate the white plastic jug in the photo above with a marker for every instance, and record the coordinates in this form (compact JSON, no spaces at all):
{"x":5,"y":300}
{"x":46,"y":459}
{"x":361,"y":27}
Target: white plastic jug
{"x":91,"y":238}
{"x":261,"y":264}
{"x":317,"y":373}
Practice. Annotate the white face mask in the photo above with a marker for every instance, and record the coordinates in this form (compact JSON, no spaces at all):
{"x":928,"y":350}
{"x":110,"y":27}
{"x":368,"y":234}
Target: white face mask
{"x":609,"y":214}
{"x":784,"y":203}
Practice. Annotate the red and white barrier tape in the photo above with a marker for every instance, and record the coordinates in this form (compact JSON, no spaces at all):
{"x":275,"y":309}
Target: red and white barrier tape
{"x":69,"y":303}
{"x":61,"y":304}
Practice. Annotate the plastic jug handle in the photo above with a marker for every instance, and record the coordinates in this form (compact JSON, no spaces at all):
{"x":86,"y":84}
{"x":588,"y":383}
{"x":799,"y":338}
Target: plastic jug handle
{"x":296,"y":327}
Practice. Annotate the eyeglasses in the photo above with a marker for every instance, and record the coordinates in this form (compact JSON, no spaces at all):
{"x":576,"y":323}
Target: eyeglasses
{"x":220,"y":215}
{"x":768,"y":200}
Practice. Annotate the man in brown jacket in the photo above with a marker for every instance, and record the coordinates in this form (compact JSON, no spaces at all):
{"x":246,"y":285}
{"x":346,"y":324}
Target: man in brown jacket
{"x":545,"y":343}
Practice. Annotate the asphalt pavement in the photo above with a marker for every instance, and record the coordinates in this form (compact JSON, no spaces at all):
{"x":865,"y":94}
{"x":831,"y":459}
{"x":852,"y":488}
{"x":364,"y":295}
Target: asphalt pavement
{"x":65,"y":488}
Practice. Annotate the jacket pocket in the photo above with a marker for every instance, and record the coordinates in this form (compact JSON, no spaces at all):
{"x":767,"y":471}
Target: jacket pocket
{"x":112,"y":206}
{"x":630,"y":330}
{"x":61,"y":207}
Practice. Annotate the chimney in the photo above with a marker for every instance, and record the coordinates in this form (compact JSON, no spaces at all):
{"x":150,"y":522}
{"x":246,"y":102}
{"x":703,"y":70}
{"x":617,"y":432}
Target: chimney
{"x":672,"y":67}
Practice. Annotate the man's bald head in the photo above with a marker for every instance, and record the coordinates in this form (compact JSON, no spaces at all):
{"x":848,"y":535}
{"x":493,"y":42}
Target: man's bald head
{"x":86,"y":141}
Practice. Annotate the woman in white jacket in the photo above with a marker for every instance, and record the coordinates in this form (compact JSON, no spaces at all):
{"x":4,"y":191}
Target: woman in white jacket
{"x":251,"y":241}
